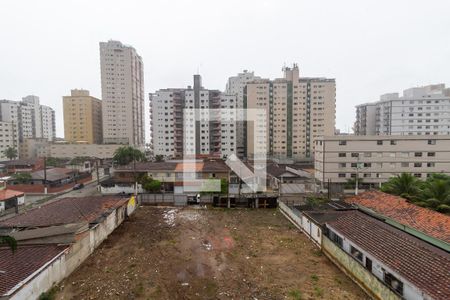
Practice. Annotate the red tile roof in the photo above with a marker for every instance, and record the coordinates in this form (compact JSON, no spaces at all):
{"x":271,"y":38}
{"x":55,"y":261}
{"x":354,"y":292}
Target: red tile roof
{"x":65,"y":211}
{"x":427,"y":221}
{"x":16,"y":267}
{"x":7,"y":194}
{"x":421,"y":264}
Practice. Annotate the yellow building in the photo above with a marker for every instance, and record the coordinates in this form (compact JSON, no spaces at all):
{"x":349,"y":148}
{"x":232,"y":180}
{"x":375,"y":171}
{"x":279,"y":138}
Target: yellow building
{"x":82,"y":118}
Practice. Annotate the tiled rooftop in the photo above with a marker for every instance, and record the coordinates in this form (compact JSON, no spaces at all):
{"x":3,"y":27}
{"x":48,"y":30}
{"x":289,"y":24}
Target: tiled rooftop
{"x":16,"y":267}
{"x":65,"y":211}
{"x":427,"y":221}
{"x":423,"y":265}
{"x":6,"y":194}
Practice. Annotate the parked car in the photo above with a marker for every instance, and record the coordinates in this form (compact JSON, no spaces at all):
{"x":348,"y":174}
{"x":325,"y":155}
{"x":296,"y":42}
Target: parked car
{"x":78,"y":186}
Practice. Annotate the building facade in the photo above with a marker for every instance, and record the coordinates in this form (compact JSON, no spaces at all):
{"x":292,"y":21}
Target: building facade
{"x":8,"y":138}
{"x":420,"y":111}
{"x":236,"y":86}
{"x":298,"y":110}
{"x":175,"y":133}
{"x":31,"y":148}
{"x":375,"y":159}
{"x":82,"y":118}
{"x":63,"y":150}
{"x":122,"y":77}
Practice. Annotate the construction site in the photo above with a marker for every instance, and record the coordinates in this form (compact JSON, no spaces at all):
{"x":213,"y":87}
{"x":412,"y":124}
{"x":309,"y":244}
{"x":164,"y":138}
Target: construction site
{"x":207,"y":253}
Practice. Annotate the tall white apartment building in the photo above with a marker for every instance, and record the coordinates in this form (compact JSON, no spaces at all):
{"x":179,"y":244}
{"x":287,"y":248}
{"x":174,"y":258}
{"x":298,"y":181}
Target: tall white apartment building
{"x":298,"y":109}
{"x":31,"y":119}
{"x":122,"y":76}
{"x":8,"y":138}
{"x":236,"y":86}
{"x":175,"y":133}
{"x":420,"y":111}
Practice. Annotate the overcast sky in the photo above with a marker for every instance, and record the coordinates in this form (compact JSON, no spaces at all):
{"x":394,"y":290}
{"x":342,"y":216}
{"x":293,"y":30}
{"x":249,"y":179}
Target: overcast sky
{"x":371,"y":47}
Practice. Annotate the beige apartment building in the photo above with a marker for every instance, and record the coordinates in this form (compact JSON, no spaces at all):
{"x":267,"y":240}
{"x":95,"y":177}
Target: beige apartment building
{"x":82,"y":118}
{"x":375,"y":159}
{"x":299,"y":110}
{"x":122,"y":75}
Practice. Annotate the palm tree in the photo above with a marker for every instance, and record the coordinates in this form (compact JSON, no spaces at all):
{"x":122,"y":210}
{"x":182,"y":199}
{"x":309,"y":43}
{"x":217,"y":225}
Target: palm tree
{"x":8,"y":240}
{"x":405,"y":185}
{"x":436,"y":192}
{"x":10,"y":153}
{"x":127,"y":154}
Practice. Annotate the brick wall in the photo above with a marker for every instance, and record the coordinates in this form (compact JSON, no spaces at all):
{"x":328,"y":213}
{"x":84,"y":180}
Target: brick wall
{"x":40,"y":189}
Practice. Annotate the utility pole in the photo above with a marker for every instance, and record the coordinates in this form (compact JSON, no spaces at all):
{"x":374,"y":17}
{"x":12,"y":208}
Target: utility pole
{"x":45,"y":174}
{"x":98,"y":177}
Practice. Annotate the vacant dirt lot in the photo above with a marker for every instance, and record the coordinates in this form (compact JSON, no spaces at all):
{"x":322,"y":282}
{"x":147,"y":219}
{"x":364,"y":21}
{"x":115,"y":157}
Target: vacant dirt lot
{"x":172,"y":253}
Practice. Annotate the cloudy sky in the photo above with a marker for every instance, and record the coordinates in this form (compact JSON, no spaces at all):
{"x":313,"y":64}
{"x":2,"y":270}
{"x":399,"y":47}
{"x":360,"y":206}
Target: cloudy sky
{"x":371,"y":47}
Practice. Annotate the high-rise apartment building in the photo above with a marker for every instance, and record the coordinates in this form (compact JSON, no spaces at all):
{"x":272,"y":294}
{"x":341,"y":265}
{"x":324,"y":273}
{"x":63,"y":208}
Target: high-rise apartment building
{"x":173,"y":132}
{"x":420,"y":111}
{"x":298,"y":110}
{"x":9,"y":138}
{"x":82,"y":118}
{"x":31,"y":119}
{"x":122,"y":75}
{"x":236,"y":86}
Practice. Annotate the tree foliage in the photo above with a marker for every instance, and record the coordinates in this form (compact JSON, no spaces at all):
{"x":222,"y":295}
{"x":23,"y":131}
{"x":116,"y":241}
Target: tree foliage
{"x":149,"y":184}
{"x":10,"y":153}
{"x":433,"y":193}
{"x":127,"y":154}
{"x":22,"y":177}
{"x":9,"y":241}
{"x":159,"y":158}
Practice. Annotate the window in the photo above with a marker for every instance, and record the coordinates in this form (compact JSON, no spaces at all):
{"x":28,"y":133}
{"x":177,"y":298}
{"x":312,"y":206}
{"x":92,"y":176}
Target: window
{"x":379,"y":142}
{"x":430,"y":165}
{"x":418,"y":154}
{"x":354,"y":154}
{"x":342,"y":154}
{"x":431,"y":154}
{"x":431,"y":142}
{"x":395,"y":284}
{"x":342,"y":165}
{"x":418,"y":175}
{"x":335,"y":238}
{"x":369,"y":264}
{"x":417,"y":165}
{"x":393,"y":142}
{"x":341,"y":175}
{"x":342,"y":143}
{"x":356,"y":253}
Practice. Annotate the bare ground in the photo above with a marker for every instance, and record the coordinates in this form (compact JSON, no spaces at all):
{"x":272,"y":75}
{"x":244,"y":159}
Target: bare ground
{"x":173,"y":253}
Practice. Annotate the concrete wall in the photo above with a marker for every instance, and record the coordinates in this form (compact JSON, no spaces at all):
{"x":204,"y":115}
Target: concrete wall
{"x":117,"y":189}
{"x":368,"y":282}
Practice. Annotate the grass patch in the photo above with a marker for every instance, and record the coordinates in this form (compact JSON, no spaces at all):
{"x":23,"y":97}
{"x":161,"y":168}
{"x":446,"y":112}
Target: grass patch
{"x":295,"y":294}
{"x":317,"y":252}
{"x":49,"y":295}
{"x":318,"y":291}
{"x":139,"y":289}
{"x":338,"y":280}
{"x":314,"y":278}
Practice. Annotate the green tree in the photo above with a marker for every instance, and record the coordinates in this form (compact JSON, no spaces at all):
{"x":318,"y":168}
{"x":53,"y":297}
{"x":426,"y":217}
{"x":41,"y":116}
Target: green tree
{"x":211,"y":185}
{"x":55,"y":162}
{"x":405,"y":185}
{"x":436,"y":191}
{"x":149,"y":184}
{"x":9,"y":241}
{"x":127,"y":154}
{"x":10,"y":153}
{"x":22,"y":177}
{"x":159,"y":158}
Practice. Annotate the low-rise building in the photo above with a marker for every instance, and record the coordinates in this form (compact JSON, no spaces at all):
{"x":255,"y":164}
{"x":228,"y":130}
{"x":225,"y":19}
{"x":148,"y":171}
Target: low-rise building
{"x":8,"y":167}
{"x":10,"y":199}
{"x":54,"y":240}
{"x":64,"y":150}
{"x":375,"y":159}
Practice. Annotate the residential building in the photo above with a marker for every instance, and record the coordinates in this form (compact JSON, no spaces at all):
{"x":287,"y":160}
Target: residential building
{"x":65,"y":150}
{"x":82,"y":118}
{"x":298,"y":110}
{"x":31,"y":119}
{"x":122,"y":77}
{"x":374,"y":159}
{"x":420,"y":111}
{"x":236,"y":86}
{"x":9,"y":167}
{"x":8,"y":138}
{"x":10,"y":199}
{"x":174,"y":131}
